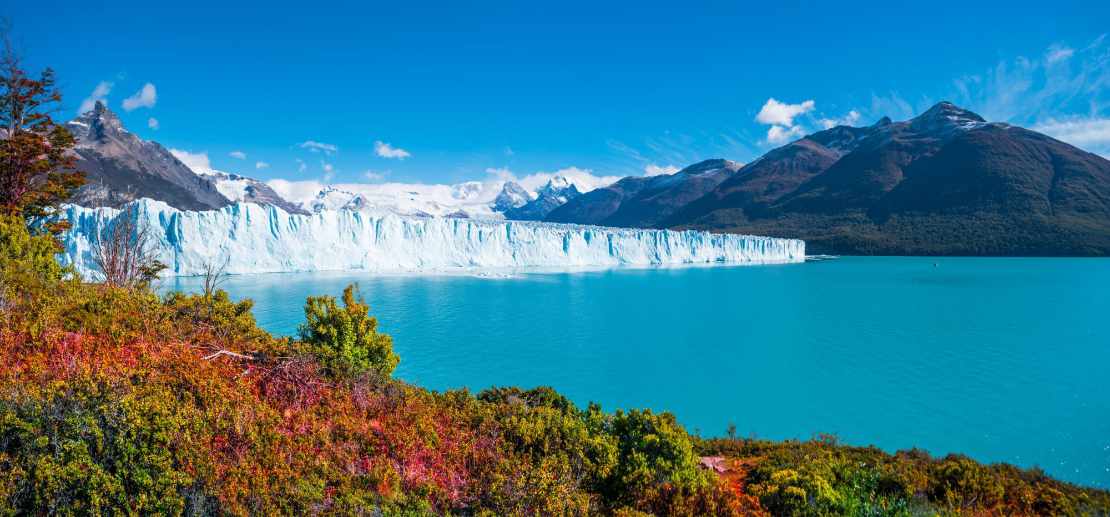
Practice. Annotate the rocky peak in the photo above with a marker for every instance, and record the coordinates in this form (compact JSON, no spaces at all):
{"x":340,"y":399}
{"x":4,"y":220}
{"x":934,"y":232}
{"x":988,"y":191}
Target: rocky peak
{"x":944,"y":118}
{"x":512,"y":195}
{"x":96,"y":125}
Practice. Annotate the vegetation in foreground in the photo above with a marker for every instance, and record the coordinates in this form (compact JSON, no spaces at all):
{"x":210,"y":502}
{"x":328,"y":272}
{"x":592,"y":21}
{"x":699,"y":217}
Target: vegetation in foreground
{"x":114,"y":400}
{"x":117,"y":401}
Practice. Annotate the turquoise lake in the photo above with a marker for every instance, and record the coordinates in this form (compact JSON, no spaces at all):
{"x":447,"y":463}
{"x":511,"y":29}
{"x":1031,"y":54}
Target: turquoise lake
{"x":1002,"y":359}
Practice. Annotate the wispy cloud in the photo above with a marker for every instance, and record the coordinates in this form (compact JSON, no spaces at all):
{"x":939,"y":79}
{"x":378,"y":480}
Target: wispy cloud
{"x":238,"y":155}
{"x":387,"y":151}
{"x":318,"y":147}
{"x":194,"y":161}
{"x":1057,"y":53}
{"x":152,"y":123}
{"x":301,"y":165}
{"x":373,"y":176}
{"x":100,"y":93}
{"x":261,"y":165}
{"x":1064,"y":92}
{"x":1086,"y":132}
{"x":146,"y":97}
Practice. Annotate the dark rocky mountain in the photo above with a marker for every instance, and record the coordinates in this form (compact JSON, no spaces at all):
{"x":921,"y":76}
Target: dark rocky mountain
{"x":512,"y":196}
{"x":944,"y":183}
{"x":556,"y":193}
{"x":644,"y":201}
{"x":121,"y":167}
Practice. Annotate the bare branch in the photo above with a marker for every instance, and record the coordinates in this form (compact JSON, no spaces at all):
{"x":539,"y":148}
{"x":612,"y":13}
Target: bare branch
{"x":124,"y":253}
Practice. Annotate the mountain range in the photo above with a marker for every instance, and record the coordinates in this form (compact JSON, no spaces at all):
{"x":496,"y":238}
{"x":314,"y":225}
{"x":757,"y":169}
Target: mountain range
{"x":946,"y":182}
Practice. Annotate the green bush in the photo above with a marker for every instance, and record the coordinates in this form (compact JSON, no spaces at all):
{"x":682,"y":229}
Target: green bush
{"x":345,"y":340}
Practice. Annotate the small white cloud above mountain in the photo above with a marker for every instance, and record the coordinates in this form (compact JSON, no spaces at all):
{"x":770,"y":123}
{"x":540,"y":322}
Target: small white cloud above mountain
{"x":152,"y":123}
{"x":781,"y":135}
{"x":301,"y":165}
{"x":238,"y":155}
{"x":373,"y":175}
{"x":146,"y":97}
{"x":100,"y":93}
{"x":781,"y":113}
{"x":780,"y":116}
{"x":194,"y":161}
{"x":652,"y":169}
{"x":261,"y":165}
{"x":388,"y":151}
{"x":318,"y":147}
{"x":850,"y":119}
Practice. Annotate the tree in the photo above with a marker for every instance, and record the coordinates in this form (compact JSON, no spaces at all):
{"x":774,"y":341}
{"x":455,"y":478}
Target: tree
{"x":345,"y":340}
{"x":36,"y":168}
{"x":124,"y":254}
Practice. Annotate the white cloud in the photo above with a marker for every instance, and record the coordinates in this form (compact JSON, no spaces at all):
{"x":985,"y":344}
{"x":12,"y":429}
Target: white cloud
{"x":261,"y":165}
{"x":327,"y":166}
{"x":501,"y":173}
{"x":144,"y":98}
{"x":301,"y":165}
{"x":1057,"y":53}
{"x":317,"y":147}
{"x":654,"y":170}
{"x":152,"y":123}
{"x":387,"y":151}
{"x":373,"y":176}
{"x":851,"y":119}
{"x":238,"y":155}
{"x":100,"y":93}
{"x":295,"y":191}
{"x":1089,"y":132}
{"x":781,"y":135}
{"x":194,"y":161}
{"x":782,"y":114}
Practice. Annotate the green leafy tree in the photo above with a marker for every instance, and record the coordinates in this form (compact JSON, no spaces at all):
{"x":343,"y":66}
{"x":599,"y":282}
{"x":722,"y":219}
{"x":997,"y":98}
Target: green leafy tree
{"x":36,"y":171}
{"x":345,"y":340}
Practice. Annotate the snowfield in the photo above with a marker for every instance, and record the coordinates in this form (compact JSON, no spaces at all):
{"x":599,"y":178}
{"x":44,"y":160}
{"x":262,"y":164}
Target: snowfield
{"x":265,"y":239}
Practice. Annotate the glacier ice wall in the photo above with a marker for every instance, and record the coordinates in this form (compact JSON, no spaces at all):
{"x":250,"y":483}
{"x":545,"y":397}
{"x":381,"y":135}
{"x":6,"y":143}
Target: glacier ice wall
{"x":264,"y":239}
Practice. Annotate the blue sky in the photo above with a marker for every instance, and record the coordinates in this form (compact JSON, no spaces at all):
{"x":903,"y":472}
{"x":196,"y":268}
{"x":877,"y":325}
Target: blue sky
{"x":452,"y":91}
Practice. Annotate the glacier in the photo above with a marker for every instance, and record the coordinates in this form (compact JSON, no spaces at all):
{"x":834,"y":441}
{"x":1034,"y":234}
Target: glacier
{"x":253,"y":238}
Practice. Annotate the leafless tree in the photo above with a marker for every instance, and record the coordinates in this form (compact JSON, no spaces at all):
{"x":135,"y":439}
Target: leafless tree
{"x":124,"y":253}
{"x":214,"y":276}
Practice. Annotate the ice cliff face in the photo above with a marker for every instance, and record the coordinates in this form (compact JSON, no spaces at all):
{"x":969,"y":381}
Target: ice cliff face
{"x":262,"y":239}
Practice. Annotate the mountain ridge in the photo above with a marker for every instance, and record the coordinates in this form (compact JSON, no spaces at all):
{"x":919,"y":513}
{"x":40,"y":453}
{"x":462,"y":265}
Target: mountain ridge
{"x":946,"y":182}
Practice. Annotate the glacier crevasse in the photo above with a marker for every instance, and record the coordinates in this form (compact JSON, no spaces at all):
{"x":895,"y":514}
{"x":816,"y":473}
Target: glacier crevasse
{"x":265,"y":239}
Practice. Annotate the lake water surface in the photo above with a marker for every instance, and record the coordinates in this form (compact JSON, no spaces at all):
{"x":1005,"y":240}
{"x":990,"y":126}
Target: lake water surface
{"x":1002,"y":359}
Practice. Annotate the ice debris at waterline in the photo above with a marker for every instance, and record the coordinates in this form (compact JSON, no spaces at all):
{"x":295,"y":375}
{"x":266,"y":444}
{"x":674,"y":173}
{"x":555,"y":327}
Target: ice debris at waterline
{"x":264,"y":239}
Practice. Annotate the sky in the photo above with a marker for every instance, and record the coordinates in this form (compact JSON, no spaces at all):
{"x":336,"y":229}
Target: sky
{"x":442,"y":93}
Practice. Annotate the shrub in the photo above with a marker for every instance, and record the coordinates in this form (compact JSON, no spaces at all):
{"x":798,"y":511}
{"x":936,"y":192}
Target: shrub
{"x":345,"y":340}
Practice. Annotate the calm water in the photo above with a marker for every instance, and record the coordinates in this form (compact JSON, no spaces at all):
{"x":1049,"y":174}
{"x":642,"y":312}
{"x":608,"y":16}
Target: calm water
{"x":1003,"y":359}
